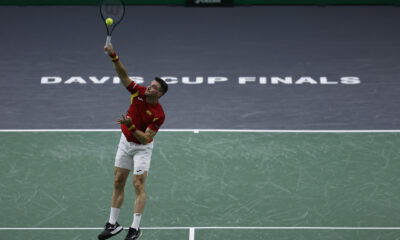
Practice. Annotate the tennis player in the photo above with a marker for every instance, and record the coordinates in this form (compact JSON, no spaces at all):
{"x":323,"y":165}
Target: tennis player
{"x":141,"y":123}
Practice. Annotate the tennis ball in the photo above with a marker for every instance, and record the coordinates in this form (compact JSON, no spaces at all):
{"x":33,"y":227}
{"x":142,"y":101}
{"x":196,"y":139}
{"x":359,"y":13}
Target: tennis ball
{"x":109,"y":21}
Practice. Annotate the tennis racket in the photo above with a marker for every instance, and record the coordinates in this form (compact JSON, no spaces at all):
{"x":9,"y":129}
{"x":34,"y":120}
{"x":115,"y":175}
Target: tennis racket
{"x":114,"y":9}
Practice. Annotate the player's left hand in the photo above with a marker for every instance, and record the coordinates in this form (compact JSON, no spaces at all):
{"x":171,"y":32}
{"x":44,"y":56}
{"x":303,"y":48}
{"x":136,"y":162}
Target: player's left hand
{"x":126,"y":120}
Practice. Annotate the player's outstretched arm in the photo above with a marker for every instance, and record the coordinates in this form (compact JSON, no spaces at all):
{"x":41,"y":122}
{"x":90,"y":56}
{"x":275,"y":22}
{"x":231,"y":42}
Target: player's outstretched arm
{"x":119,"y":67}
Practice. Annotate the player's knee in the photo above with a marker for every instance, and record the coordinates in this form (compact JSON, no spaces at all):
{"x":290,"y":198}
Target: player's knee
{"x":139,"y":186}
{"x":119,"y":182}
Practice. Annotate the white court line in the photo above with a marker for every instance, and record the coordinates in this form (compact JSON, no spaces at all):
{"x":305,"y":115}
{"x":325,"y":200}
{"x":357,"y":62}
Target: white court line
{"x":304,"y":228}
{"x":207,"y":130}
{"x":191,"y":233}
{"x":191,"y":229}
{"x":96,"y":228}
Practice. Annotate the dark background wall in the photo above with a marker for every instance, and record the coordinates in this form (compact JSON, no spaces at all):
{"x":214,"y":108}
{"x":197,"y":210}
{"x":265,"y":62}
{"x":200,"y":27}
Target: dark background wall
{"x":314,"y":47}
{"x":182,"y":2}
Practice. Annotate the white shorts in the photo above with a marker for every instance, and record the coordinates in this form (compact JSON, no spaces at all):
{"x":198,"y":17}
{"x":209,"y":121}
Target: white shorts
{"x":133,"y":156}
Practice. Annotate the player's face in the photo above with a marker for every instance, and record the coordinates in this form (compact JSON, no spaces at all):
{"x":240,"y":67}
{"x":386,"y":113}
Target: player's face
{"x":154,"y":89}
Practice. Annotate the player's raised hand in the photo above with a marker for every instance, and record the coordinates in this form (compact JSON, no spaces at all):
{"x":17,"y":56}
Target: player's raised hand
{"x":126,"y":120}
{"x":109,"y":49}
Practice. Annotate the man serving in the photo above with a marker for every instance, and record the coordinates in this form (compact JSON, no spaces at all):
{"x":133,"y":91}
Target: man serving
{"x":140,"y":125}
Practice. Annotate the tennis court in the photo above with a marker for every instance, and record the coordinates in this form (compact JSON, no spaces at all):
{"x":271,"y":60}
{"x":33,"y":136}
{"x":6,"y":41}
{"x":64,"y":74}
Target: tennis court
{"x":282,"y":122}
{"x":207,"y":185}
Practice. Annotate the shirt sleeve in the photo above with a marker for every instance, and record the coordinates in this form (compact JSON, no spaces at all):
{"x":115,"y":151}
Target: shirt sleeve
{"x":155,"y":126}
{"x":134,"y":87}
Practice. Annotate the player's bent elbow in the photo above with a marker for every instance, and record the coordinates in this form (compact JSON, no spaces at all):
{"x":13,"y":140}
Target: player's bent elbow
{"x":145,"y":141}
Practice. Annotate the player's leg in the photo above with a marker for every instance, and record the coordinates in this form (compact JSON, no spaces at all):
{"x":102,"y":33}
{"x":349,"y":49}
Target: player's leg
{"x":139,"y":185}
{"x":123,"y":165}
{"x":112,"y":227}
{"x":139,"y":182}
{"x":120,"y":177}
{"x":141,"y":167}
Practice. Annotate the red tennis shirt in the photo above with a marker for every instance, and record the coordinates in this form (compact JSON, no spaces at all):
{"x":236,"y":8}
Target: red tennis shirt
{"x":143,"y":114}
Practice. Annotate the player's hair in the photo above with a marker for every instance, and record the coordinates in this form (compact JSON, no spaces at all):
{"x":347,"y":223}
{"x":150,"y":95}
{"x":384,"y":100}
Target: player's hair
{"x":163,"y":84}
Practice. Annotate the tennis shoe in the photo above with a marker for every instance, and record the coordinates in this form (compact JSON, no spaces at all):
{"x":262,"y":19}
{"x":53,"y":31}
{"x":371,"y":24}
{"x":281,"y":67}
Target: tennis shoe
{"x":133,"y":234}
{"x":110,"y":230}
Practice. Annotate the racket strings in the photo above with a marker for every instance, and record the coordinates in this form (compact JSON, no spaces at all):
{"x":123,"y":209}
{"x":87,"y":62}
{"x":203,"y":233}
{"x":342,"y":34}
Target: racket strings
{"x":114,"y":9}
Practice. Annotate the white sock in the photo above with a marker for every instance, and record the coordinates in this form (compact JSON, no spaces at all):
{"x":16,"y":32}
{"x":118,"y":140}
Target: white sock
{"x":114,"y":213}
{"x":136,"y":220}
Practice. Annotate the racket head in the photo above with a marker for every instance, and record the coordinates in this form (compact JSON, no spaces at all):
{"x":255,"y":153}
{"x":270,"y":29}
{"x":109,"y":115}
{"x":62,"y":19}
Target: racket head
{"x":114,"y":9}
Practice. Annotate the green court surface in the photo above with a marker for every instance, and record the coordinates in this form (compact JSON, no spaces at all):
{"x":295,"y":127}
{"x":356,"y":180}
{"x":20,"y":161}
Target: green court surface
{"x":58,"y":185}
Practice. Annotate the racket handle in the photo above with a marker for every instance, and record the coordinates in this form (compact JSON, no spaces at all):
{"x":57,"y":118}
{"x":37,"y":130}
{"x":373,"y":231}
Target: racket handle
{"x":108,"y":43}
